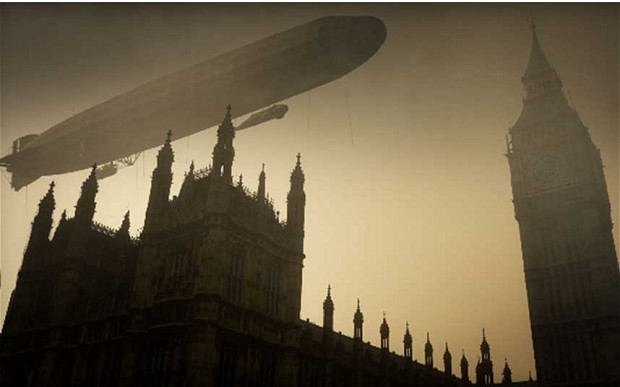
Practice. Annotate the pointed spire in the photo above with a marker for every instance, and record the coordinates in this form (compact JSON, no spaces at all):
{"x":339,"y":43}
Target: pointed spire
{"x":328,"y":304}
{"x":506,"y":373}
{"x":407,"y":337}
{"x":538,"y":62}
{"x":261,"y":184}
{"x":41,"y":225}
{"x":190,"y":173}
{"x":447,"y":361}
{"x":384,"y":330}
{"x":48,"y":202}
{"x":165,"y":155}
{"x":464,"y":368}
{"x":161,"y":182}
{"x":295,"y":210}
{"x":358,"y":321}
{"x":297,"y":176}
{"x":188,"y":180}
{"x":328,"y":317}
{"x":124,"y":229}
{"x":223,"y":152}
{"x":408,"y":342}
{"x":85,"y":208}
{"x":428,"y":351}
{"x":484,"y":346}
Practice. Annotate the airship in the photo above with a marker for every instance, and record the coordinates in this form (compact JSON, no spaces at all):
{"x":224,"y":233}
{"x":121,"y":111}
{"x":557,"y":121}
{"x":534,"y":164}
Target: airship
{"x":249,"y":78}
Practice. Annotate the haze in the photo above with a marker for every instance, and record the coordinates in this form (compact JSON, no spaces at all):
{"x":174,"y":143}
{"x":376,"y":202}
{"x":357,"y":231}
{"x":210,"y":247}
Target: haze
{"x":409,"y":201}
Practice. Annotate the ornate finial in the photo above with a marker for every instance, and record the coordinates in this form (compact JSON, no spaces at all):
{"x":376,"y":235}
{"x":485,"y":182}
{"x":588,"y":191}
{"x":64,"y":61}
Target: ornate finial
{"x":428,"y":338}
{"x":407,"y":325}
{"x":52,"y":185}
{"x":384,"y":314}
{"x":63,"y":216}
{"x":228,"y":107}
{"x":240,"y":179}
{"x":298,"y":159}
{"x":483,"y":334}
{"x":446,"y":345}
{"x":263,"y":169}
{"x":358,"y":304}
{"x":329,"y":290}
{"x":168,"y":136}
{"x":191,"y":166}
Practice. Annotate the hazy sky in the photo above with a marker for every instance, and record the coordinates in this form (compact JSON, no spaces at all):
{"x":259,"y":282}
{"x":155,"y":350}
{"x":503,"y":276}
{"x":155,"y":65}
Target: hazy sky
{"x":408,"y":190}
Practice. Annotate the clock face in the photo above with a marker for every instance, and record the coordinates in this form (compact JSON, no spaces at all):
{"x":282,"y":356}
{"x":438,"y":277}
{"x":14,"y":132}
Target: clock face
{"x":546,"y":170}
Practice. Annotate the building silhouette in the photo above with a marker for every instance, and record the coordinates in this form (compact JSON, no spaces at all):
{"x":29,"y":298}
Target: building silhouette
{"x":484,"y":368}
{"x":209,"y":295}
{"x":562,"y":207}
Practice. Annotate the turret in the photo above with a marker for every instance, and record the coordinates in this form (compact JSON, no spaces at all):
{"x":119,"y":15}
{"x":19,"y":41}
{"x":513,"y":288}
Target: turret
{"x":160,"y":185}
{"x":187,"y":181}
{"x":485,"y":349}
{"x":484,"y":370}
{"x":358,"y":322}
{"x":428,"y":352}
{"x":447,"y":361}
{"x":260,"y":194}
{"x":464,"y":369}
{"x":296,"y":204}
{"x":408,"y":344}
{"x":123,"y":231}
{"x":507,"y":374}
{"x":41,"y":226}
{"x":224,"y":153}
{"x":384,"y":330}
{"x":328,"y":318}
{"x":85,"y":208}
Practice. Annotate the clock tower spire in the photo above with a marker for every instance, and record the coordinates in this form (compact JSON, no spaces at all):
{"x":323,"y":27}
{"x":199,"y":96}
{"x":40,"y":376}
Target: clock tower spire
{"x":569,"y":257}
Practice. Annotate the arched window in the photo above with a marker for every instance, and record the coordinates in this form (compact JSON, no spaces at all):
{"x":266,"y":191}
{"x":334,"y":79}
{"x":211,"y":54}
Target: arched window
{"x":235,"y":274}
{"x":273,"y":289}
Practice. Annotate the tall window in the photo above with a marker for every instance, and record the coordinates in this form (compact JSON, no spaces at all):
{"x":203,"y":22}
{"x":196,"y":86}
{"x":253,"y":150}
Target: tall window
{"x":273,"y":289}
{"x":235,"y":275}
{"x":164,"y":363}
{"x":228,"y":359}
{"x":267,"y":368}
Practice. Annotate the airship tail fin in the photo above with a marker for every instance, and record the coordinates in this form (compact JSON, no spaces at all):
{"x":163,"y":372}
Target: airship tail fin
{"x":18,"y":181}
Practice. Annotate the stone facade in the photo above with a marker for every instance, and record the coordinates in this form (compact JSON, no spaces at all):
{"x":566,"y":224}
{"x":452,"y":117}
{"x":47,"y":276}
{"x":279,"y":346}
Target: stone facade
{"x":562,"y":207}
{"x":209,"y":295}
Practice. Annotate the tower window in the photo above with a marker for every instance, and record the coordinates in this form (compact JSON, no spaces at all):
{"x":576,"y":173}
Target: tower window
{"x":273,"y":290}
{"x":235,"y":275}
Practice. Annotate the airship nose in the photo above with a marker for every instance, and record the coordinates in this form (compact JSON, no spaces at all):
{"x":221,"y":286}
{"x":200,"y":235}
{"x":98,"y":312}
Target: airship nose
{"x":367,"y":33}
{"x":349,"y":41}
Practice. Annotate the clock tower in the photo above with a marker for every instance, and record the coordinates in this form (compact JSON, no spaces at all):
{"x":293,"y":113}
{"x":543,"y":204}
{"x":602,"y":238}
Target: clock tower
{"x":569,"y":257}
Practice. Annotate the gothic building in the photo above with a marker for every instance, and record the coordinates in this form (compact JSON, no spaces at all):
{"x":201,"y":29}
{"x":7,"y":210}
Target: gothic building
{"x":209,"y":295}
{"x":562,"y":207}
